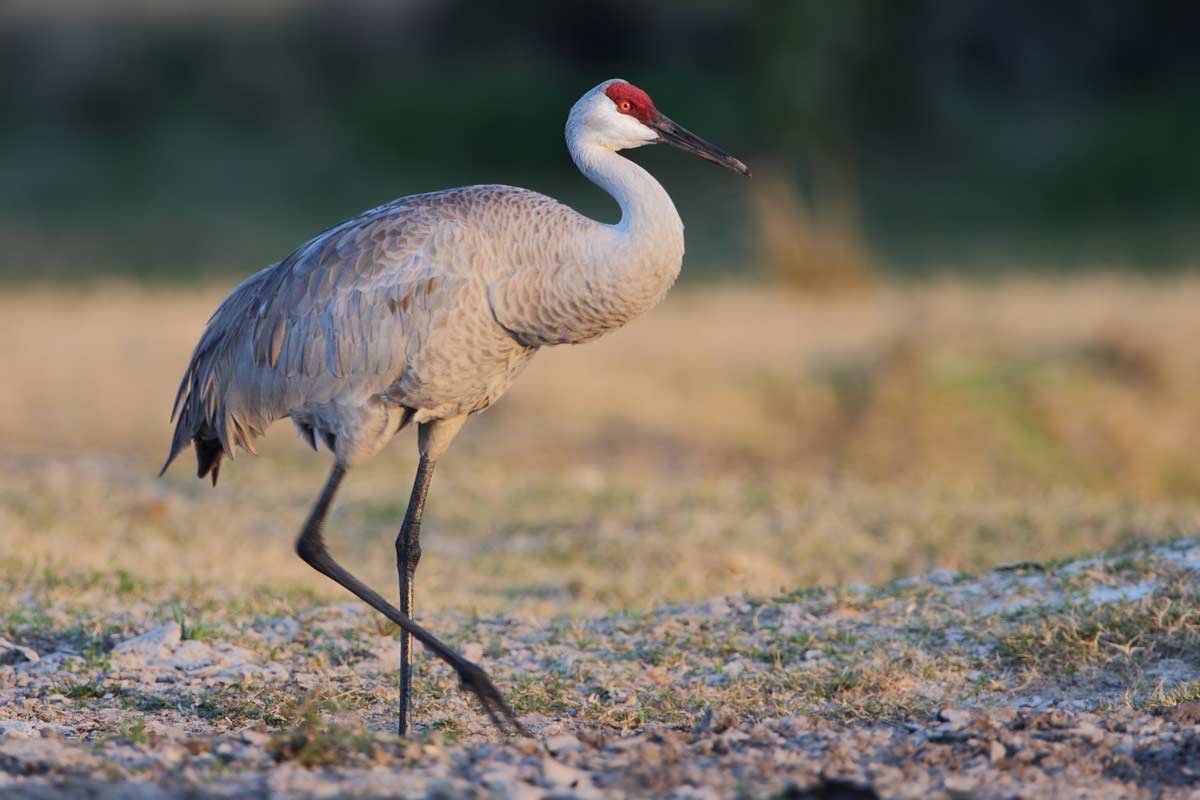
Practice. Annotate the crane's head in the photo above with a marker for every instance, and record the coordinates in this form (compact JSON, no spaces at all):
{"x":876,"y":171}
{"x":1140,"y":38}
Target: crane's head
{"x":618,"y":116}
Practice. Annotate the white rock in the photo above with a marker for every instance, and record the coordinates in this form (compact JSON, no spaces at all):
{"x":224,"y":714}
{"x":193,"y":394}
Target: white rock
{"x":46,"y":665}
{"x":960,"y":786}
{"x":558,"y":775}
{"x":191,"y":655}
{"x":1090,"y":731}
{"x":11,"y":653}
{"x":291,"y":780}
{"x":18,"y":728}
{"x":955,"y":718}
{"x":498,"y":778}
{"x":717,"y":607}
{"x":693,"y":793}
{"x":564,"y":743}
{"x":23,"y":754}
{"x":159,"y":642}
{"x":282,"y":630}
{"x":525,"y":791}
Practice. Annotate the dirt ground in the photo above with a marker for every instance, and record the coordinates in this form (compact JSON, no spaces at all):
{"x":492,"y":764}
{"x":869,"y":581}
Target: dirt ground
{"x":936,"y":540}
{"x":945,"y":685}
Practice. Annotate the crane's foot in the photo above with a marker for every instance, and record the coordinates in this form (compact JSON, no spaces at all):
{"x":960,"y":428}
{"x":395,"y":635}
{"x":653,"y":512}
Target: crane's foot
{"x":474,"y":680}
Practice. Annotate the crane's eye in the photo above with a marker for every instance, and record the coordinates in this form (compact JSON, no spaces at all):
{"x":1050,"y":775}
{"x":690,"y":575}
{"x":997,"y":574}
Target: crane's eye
{"x":625,"y":106}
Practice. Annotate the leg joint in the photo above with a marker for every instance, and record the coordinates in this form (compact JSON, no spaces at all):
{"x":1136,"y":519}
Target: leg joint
{"x":310,"y":548}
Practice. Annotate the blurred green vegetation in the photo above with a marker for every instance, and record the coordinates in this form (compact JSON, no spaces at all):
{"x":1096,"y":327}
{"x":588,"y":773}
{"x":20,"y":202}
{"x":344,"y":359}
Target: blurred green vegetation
{"x":176,"y":140}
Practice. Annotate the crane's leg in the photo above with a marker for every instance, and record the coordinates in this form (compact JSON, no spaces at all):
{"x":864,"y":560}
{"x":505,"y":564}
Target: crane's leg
{"x":408,"y":555}
{"x":310,"y":546}
{"x":432,"y":438}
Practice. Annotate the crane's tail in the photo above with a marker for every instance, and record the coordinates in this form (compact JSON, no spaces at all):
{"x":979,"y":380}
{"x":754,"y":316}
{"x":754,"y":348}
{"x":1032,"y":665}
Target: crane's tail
{"x":209,"y":453}
{"x":219,"y":405}
{"x":208,"y":458}
{"x":205,"y":418}
{"x":212,"y":440}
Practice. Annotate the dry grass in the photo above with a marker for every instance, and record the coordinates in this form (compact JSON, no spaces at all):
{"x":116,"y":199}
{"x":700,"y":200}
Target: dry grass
{"x":808,"y":245}
{"x":738,"y":438}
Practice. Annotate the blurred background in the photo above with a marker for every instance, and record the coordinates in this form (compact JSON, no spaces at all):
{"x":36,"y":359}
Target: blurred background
{"x":173,"y":139}
{"x":950,"y":321}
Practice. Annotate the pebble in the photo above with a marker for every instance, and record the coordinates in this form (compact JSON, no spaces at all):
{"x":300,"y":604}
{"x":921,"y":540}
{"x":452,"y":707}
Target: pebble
{"x":11,"y":653}
{"x":960,"y":786}
{"x":156,"y":642}
{"x":955,"y":718}
{"x":18,"y":728}
{"x":564,"y":743}
{"x":557,"y":774}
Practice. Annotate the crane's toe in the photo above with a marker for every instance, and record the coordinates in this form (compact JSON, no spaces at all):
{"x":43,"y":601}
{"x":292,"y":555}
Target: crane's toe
{"x":476,"y":681}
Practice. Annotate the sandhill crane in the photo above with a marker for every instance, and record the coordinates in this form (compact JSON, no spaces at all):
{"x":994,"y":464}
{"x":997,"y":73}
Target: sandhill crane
{"x":424,"y":310}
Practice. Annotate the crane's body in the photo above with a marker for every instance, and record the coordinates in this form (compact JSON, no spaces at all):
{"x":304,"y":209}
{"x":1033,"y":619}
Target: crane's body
{"x":423,"y":309}
{"x":426,"y":310}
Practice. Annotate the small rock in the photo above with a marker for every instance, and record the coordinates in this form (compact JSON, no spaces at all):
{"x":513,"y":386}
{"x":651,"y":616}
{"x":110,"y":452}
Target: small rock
{"x":47,"y":665}
{"x":23,"y":756}
{"x":718,"y":607}
{"x":955,"y":718}
{"x":282,"y":630}
{"x":158,"y":642}
{"x":734,"y":736}
{"x":11,"y":653}
{"x":997,"y":750}
{"x":498,"y":776}
{"x":525,"y":791}
{"x":18,"y":728}
{"x":960,"y":786}
{"x":447,"y":788}
{"x":252,"y":735}
{"x":558,"y":775}
{"x":1090,"y":732}
{"x":942,"y":577}
{"x":473,"y":651}
{"x":527,"y":747}
{"x":564,"y":743}
{"x":51,"y":731}
{"x":192,"y":655}
{"x":503,"y":781}
{"x":693,"y":793}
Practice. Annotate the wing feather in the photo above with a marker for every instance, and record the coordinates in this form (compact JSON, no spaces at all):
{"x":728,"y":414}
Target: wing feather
{"x":303,"y":330}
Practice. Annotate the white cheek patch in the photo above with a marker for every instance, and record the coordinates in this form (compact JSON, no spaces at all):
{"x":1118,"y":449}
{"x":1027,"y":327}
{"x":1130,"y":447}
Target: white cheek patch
{"x":626,"y":131}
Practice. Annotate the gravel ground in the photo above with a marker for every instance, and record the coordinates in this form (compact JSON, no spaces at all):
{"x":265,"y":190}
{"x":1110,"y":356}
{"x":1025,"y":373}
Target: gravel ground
{"x":1076,"y":679}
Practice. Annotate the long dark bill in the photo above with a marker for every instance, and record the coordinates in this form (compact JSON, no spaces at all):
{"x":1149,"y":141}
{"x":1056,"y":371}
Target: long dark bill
{"x":679,"y":136}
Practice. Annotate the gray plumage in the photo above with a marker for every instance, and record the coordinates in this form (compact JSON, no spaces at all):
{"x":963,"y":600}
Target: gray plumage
{"x":425,"y":310}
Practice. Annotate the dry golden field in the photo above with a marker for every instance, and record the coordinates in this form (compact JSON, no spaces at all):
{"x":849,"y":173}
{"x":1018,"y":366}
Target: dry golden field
{"x":739,"y":438}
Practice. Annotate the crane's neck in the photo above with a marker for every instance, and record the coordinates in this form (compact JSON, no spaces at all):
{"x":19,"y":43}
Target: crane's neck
{"x":591,"y":278}
{"x":646,"y":208}
{"x":623,"y":270}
